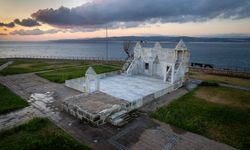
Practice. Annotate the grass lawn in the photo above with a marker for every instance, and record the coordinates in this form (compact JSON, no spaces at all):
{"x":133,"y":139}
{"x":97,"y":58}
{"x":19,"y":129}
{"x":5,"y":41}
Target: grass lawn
{"x":10,"y":101}
{"x":220,"y":113}
{"x":38,"y":134}
{"x":61,"y":75}
{"x":2,"y":62}
{"x":19,"y":67}
{"x":220,"y":79}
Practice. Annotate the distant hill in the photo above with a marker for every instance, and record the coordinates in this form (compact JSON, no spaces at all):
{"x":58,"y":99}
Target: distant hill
{"x":155,"y":38}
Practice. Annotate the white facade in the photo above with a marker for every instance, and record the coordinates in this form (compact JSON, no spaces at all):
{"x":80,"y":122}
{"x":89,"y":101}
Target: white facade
{"x":170,"y":65}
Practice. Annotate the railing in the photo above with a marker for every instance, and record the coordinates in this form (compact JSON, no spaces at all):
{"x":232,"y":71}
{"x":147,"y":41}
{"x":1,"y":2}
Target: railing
{"x":62,"y":58}
{"x":131,"y":67}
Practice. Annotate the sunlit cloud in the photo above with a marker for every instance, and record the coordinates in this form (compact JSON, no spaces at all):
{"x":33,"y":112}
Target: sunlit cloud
{"x":34,"y":32}
{"x":2,"y":34}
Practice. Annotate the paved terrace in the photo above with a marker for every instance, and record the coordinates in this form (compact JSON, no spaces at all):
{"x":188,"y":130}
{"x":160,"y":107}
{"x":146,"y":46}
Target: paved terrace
{"x":130,"y":88}
{"x":142,"y":133}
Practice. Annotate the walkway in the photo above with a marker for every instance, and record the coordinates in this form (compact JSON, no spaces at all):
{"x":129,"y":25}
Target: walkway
{"x":18,"y":117}
{"x":5,"y":65}
{"x":147,"y":134}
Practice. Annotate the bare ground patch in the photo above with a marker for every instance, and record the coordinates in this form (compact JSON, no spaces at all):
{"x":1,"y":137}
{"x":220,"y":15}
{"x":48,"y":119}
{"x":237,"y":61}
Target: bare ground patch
{"x":230,"y":98}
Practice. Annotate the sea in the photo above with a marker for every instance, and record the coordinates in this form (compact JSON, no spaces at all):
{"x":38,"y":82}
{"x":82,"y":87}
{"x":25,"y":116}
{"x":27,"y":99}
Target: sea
{"x":225,"y":55}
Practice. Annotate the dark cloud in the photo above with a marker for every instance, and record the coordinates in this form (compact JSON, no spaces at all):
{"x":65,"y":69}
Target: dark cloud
{"x":131,"y":13}
{"x":8,"y":25}
{"x":27,"y":22}
{"x":34,"y":32}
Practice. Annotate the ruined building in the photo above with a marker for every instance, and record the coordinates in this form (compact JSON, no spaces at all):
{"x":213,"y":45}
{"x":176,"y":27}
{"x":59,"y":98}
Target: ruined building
{"x":109,"y":97}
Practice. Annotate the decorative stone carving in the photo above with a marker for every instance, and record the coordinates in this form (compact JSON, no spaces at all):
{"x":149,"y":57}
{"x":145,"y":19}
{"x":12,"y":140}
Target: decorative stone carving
{"x":181,"y":46}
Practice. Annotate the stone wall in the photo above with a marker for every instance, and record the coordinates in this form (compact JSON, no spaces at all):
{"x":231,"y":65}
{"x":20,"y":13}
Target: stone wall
{"x":80,"y":85}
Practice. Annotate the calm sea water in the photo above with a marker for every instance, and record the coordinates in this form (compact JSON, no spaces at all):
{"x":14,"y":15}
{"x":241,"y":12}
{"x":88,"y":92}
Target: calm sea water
{"x":223,"y":55}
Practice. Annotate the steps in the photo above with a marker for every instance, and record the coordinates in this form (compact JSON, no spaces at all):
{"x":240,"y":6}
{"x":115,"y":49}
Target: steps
{"x":127,"y":63}
{"x":120,"y":118}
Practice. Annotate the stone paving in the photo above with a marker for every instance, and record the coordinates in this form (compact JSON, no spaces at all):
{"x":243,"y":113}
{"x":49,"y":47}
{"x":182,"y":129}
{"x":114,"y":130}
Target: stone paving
{"x":142,"y":133}
{"x":131,"y":88}
{"x":18,"y":117}
{"x":147,"y":134}
{"x":27,"y":84}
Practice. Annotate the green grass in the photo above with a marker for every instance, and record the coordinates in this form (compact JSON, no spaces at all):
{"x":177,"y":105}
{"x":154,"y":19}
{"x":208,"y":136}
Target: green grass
{"x":9,"y":101}
{"x":38,"y":134}
{"x":19,"y":67}
{"x":61,"y":75}
{"x":2,"y":62}
{"x":227,"y":121}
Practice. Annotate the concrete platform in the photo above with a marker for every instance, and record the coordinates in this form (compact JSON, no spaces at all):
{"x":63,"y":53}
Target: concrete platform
{"x":95,"y":103}
{"x":131,"y":88}
{"x":95,"y":107}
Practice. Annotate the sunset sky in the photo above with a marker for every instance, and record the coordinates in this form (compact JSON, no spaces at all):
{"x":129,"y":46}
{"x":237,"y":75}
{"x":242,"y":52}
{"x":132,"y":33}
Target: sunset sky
{"x":36,"y":20}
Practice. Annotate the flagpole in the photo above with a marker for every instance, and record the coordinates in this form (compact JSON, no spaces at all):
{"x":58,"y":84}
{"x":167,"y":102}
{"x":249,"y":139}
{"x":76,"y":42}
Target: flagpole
{"x":106,"y":42}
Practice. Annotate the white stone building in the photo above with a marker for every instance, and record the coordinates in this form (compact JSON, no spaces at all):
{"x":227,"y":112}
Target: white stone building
{"x":170,"y":65}
{"x":109,"y":97}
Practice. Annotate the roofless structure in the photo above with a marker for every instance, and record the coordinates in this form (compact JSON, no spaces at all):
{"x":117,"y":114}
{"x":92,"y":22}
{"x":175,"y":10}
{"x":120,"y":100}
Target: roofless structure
{"x":151,"y":73}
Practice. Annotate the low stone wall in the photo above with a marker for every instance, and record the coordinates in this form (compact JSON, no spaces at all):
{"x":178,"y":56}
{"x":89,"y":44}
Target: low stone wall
{"x":230,"y":73}
{"x":108,"y":74}
{"x":79,"y":83}
{"x":140,"y":102}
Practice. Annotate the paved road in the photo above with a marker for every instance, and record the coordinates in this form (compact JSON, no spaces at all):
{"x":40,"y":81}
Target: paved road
{"x":142,"y":133}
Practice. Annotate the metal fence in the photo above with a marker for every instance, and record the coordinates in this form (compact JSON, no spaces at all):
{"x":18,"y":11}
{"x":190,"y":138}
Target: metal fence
{"x":62,"y":58}
{"x":81,"y":58}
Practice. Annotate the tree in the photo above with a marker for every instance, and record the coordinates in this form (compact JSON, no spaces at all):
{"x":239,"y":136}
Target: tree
{"x":126,"y":46}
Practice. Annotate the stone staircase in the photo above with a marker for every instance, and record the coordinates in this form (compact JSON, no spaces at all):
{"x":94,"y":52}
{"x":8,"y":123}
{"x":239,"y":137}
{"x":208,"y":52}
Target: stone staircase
{"x":127,"y":63}
{"x":120,"y":118}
